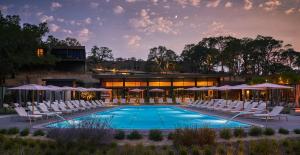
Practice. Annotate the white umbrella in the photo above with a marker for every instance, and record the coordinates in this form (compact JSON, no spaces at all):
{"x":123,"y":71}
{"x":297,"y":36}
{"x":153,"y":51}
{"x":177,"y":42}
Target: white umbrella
{"x":100,"y":89}
{"x":270,"y":86}
{"x":156,"y":90}
{"x":136,"y":90}
{"x":68,"y":88}
{"x":193,"y":89}
{"x":81,"y":89}
{"x":31,"y":87}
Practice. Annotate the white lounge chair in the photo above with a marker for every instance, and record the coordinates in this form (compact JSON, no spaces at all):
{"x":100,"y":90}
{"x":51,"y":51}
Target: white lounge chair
{"x":161,"y":101}
{"x":115,"y":101}
{"x":151,"y":101}
{"x":169,"y":100}
{"x":132,"y":101}
{"x":240,"y":107}
{"x":71,"y":106}
{"x":178,"y":100}
{"x":274,"y":113}
{"x":230,"y":107}
{"x":45,"y":109}
{"x":142,"y":101}
{"x":248,"y":108}
{"x":35,"y":111}
{"x":83,"y":104}
{"x":123,"y":101}
{"x":107,"y":101}
{"x":22,"y":113}
{"x":77,"y":105}
{"x":223,"y":105}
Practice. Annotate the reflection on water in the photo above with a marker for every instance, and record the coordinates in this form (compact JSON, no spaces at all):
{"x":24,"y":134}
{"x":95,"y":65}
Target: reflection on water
{"x":153,"y":117}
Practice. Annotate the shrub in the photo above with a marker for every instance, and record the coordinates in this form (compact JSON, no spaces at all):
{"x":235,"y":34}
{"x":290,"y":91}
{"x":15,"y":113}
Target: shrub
{"x":255,"y":131}
{"x":269,"y":131}
{"x":155,"y":135}
{"x":24,"y":132}
{"x":182,"y":150}
{"x":263,"y":147}
{"x":13,"y":131}
{"x":134,"y":135}
{"x":195,"y":150}
{"x":193,"y":136}
{"x":239,"y":132}
{"x":226,"y":134}
{"x":170,"y":136}
{"x":297,"y":131}
{"x":3,"y":131}
{"x":89,"y":132}
{"x":38,"y":133}
{"x":283,"y":131}
{"x":120,"y":135}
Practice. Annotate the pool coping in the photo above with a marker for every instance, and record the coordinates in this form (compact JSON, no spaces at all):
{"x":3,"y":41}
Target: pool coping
{"x":43,"y":125}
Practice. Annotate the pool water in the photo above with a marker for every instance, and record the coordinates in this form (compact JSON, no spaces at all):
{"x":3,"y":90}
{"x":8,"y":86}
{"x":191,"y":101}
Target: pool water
{"x":152,"y":117}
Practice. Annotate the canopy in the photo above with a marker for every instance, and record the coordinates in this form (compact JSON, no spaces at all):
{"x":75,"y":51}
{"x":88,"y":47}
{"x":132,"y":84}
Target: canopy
{"x":68,"y":88}
{"x":98,"y":89}
{"x":81,"y":89}
{"x":156,"y":90}
{"x":270,"y":86}
{"x":193,"y":89}
{"x":225,"y":87}
{"x":136,"y":90}
{"x":31,"y":87}
{"x":54,"y":88}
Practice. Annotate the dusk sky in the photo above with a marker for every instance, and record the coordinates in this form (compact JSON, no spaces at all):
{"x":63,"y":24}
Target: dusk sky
{"x":132,"y":27}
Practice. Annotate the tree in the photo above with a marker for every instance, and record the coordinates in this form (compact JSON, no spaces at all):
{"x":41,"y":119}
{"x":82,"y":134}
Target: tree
{"x":18,"y":45}
{"x":53,"y":42}
{"x":198,"y":58}
{"x":164,"y":58}
{"x":98,"y":55}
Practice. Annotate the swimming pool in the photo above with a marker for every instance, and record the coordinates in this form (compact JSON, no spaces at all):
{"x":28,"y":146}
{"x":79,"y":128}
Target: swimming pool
{"x":152,"y":117}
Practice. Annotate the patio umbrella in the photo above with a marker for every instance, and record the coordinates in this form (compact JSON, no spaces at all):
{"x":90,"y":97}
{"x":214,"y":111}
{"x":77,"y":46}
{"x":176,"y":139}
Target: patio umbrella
{"x":270,"y":86}
{"x":193,"y":89}
{"x":136,"y":90}
{"x":156,"y":90}
{"x":32,"y":87}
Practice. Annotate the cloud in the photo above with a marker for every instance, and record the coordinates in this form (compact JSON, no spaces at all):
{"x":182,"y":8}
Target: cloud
{"x":270,"y":5}
{"x":55,"y":5}
{"x":118,"y":10}
{"x":88,"y":20}
{"x":60,"y":20}
{"x":67,"y":31}
{"x":84,"y":35}
{"x":248,"y":4}
{"x":184,"y":3}
{"x":130,"y":1}
{"x":217,"y":29}
{"x":39,"y":13}
{"x":213,"y":3}
{"x":133,"y":40}
{"x":228,"y":5}
{"x":3,"y":8}
{"x":46,"y":18}
{"x":290,"y":11}
{"x":94,"y":5}
{"x":53,"y":27}
{"x":150,"y":25}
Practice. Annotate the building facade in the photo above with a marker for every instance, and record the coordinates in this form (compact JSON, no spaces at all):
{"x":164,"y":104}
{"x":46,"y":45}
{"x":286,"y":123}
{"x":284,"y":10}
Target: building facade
{"x":71,"y":59}
{"x":173,"y":85}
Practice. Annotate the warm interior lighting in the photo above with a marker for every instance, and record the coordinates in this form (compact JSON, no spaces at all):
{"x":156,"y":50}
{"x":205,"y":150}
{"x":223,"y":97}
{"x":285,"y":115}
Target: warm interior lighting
{"x":159,"y":84}
{"x":184,"y":84}
{"x":205,"y":83}
{"x":40,"y":52}
{"x":297,"y":109}
{"x":113,"y":84}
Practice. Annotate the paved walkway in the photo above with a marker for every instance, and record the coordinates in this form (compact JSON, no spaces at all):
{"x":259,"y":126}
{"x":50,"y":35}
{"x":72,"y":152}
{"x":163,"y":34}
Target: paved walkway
{"x":7,"y":121}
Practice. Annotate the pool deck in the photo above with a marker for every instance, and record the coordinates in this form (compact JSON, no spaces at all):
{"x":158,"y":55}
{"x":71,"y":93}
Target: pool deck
{"x":7,"y":121}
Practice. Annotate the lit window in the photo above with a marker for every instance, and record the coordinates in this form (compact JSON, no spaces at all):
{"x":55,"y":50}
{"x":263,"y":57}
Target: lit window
{"x":40,"y":52}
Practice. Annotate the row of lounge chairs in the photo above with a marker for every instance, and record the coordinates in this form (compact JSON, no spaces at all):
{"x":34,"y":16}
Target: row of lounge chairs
{"x":47,"y":109}
{"x":151,"y":101}
{"x":247,"y":108}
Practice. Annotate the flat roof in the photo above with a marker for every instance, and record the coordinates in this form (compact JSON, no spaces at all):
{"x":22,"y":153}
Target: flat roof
{"x":156,"y":75}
